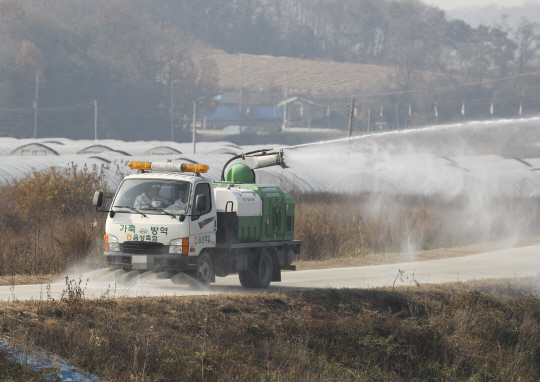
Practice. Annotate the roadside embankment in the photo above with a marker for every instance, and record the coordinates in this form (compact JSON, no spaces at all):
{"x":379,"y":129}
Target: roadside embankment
{"x":450,"y":332}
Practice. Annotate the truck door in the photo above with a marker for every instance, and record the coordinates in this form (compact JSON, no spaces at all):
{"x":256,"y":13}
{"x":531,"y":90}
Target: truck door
{"x":202,"y":228}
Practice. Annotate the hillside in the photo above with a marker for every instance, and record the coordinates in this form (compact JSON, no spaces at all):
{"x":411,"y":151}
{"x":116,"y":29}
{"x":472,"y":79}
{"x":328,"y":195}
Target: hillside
{"x":313,"y":77}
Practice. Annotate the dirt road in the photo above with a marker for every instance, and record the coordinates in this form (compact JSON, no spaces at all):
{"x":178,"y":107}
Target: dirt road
{"x":508,"y":263}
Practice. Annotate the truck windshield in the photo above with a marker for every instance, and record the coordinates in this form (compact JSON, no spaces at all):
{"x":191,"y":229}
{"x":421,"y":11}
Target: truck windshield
{"x":152,"y":196}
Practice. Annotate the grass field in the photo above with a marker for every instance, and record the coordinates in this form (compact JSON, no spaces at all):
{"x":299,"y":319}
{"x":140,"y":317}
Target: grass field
{"x":462,"y":332}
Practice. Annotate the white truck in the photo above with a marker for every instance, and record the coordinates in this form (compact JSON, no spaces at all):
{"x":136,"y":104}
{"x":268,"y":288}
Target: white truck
{"x":168,"y":218}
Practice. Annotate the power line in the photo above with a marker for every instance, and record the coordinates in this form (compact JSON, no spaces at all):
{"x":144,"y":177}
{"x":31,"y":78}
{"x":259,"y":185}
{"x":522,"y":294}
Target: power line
{"x":67,"y":107}
{"x":447,"y":87}
{"x":50,"y":108}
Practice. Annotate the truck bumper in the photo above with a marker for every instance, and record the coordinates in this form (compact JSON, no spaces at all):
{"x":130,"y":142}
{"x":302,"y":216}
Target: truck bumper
{"x":165,"y":262}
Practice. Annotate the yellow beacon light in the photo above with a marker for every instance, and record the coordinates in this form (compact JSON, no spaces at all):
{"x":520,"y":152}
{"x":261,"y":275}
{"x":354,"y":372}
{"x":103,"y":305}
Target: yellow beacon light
{"x":140,"y":165}
{"x":195,"y":167}
{"x":168,"y":166}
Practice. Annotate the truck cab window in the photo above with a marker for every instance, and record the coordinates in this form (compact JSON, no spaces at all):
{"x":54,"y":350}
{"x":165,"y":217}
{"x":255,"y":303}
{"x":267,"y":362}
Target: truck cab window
{"x":202,"y":189}
{"x":151,"y":196}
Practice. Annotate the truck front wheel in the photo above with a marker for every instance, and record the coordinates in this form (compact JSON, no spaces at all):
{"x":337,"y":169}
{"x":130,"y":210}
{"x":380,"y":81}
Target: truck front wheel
{"x":259,"y":274}
{"x":205,"y":269}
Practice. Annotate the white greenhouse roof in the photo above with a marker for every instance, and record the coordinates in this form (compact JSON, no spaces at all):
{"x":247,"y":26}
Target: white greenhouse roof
{"x":335,"y":167}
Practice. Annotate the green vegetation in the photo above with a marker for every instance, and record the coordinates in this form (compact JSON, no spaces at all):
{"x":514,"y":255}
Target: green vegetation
{"x":457,"y":333}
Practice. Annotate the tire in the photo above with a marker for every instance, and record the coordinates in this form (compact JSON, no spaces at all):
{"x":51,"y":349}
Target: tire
{"x":264,"y":270}
{"x":260,"y":274}
{"x":205,"y":269}
{"x":246,"y":278}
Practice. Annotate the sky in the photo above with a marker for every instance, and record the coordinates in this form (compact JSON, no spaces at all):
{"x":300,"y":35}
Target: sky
{"x":460,"y":4}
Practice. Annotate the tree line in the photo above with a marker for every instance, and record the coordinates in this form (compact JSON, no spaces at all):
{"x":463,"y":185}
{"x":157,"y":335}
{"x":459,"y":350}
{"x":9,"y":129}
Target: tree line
{"x":143,"y":61}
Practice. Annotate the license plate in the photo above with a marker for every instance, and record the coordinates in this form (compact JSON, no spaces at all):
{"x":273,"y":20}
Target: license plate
{"x":142,"y":262}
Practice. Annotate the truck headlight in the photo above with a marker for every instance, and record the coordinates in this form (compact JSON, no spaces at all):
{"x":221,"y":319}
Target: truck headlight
{"x":111,"y":243}
{"x":179,"y":246}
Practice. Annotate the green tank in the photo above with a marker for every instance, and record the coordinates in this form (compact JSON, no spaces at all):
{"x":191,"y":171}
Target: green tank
{"x":277,"y":220}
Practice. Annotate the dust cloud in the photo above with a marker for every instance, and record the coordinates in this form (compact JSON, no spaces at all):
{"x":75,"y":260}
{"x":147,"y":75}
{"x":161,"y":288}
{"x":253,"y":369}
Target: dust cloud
{"x":457,"y":184}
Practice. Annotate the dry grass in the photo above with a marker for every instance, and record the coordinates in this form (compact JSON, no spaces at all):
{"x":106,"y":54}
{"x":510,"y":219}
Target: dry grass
{"x":13,"y":372}
{"x":49,"y":224}
{"x":459,"y":332}
{"x":341,"y":226}
{"x":51,"y":249}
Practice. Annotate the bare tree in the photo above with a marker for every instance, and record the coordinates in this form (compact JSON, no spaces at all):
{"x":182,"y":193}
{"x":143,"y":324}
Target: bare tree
{"x":527,"y":36}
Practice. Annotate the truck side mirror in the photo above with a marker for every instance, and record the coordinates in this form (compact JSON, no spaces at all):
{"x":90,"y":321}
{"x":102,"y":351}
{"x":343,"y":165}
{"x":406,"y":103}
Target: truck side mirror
{"x":98,"y":199}
{"x":200,"y":202}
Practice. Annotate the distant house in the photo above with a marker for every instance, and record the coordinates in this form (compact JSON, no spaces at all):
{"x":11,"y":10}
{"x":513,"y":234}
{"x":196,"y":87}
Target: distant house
{"x":304,"y":113}
{"x":252,"y":107}
{"x":256,"y":109}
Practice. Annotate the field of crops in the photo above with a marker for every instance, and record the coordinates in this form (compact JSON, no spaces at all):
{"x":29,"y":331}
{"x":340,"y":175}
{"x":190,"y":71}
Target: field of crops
{"x":314,"y":77}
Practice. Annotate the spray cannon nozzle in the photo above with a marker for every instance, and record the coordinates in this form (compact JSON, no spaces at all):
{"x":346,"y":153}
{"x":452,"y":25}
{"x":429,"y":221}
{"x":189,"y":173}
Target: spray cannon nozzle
{"x":278,"y":158}
{"x":281,"y":161}
{"x":253,"y":160}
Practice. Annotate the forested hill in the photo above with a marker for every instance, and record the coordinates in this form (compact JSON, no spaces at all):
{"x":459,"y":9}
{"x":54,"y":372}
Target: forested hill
{"x":140,"y":61}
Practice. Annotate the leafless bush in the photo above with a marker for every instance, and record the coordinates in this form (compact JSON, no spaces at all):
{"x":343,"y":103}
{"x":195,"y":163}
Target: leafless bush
{"x":333,"y":225}
{"x":48,"y":222}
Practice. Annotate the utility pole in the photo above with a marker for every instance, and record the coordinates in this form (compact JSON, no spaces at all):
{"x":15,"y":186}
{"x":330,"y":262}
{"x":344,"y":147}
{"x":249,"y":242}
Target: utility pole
{"x":285,"y":108}
{"x":369,"y":120}
{"x":95,"y":120}
{"x":241,"y":93}
{"x":351,"y":115}
{"x":194,"y":121}
{"x":397,"y":115}
{"x":36,"y":104}
{"x":172,"y":111}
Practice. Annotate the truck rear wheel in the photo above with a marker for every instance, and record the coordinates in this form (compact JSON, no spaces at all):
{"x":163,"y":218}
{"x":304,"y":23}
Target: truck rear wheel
{"x":246,"y":278}
{"x":259,"y":274}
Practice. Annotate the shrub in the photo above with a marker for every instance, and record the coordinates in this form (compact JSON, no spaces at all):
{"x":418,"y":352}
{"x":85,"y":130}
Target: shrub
{"x":48,"y":222}
{"x":41,"y":194}
{"x":334,"y":225}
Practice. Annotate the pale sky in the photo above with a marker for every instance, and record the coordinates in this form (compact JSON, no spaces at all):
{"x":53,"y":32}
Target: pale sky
{"x":457,"y":4}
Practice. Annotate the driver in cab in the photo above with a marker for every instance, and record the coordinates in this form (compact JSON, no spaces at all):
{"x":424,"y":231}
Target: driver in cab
{"x":149,"y":198}
{"x":180,"y":204}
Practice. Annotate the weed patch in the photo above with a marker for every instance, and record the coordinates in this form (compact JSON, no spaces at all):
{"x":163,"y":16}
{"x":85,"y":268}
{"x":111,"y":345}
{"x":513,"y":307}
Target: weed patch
{"x":456,"y":332}
{"x":48,"y":222}
{"x":334,"y":225}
